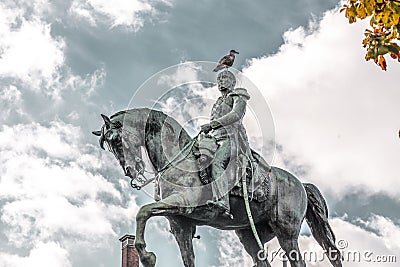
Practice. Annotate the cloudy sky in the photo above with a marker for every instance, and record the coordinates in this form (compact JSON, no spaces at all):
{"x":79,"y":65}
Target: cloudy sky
{"x":64,"y":202}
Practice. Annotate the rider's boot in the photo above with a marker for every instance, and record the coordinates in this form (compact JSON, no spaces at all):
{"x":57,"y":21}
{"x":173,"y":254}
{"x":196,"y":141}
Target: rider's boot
{"x":221,"y":196}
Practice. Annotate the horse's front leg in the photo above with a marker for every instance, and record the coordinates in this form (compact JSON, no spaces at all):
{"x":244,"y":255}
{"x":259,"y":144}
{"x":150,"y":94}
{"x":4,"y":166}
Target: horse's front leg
{"x":148,"y":259}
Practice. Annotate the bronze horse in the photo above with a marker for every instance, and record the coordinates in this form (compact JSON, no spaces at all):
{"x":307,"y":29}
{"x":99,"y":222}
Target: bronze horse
{"x":180,"y":193}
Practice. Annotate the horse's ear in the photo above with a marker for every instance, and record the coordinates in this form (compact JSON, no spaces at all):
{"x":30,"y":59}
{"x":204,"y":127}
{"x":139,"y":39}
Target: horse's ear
{"x":107,"y":120}
{"x":97,"y":133}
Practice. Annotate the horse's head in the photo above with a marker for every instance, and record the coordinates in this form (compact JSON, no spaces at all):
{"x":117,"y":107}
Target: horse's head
{"x":123,"y":145}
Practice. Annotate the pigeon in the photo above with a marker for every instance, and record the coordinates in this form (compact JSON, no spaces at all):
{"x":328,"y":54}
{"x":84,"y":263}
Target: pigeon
{"x":226,"y":61}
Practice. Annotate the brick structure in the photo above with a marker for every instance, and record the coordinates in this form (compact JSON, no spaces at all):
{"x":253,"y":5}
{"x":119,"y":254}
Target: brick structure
{"x":130,"y":257}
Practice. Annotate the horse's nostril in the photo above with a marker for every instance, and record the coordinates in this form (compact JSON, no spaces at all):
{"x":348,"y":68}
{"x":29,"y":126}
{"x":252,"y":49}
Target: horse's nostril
{"x":128,"y":171}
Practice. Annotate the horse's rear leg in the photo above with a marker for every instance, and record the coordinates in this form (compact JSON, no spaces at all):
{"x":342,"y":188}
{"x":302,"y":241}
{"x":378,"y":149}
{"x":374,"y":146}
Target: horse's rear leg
{"x":249,"y":242}
{"x":288,"y":233}
{"x":148,"y":259}
{"x":184,"y":230}
{"x":287,"y":230}
{"x":291,"y":248}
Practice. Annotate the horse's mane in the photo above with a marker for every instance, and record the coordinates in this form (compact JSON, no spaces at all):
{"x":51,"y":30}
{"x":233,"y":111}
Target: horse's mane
{"x":156,"y":119}
{"x":119,"y":113}
{"x":133,"y":110}
{"x":155,"y":122}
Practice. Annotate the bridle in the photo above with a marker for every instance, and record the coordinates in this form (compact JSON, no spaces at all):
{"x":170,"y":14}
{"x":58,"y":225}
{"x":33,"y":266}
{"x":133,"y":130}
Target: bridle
{"x":138,"y":180}
{"x":183,"y":154}
{"x":141,"y":178}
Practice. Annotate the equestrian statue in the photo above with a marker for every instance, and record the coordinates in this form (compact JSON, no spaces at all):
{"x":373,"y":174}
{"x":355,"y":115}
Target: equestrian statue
{"x":215,"y":179}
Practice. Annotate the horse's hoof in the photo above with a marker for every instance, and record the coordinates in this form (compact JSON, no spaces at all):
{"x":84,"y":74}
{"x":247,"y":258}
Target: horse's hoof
{"x":148,"y":260}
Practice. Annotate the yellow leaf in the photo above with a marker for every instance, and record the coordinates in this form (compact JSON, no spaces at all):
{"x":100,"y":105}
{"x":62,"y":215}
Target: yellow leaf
{"x":382,"y":63}
{"x":378,"y":17}
{"x":369,"y":7}
{"x":361,"y":12}
{"x":351,"y":12}
{"x":395,"y":18}
{"x":387,"y":16}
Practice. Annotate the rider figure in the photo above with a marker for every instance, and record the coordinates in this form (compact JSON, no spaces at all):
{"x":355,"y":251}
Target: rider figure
{"x":226,"y":126}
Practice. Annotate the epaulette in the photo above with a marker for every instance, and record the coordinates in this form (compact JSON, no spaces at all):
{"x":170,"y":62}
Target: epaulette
{"x":240,"y":92}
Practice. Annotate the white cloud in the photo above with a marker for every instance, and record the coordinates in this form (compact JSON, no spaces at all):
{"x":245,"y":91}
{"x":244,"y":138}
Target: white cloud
{"x":85,"y":86}
{"x":181,"y":74}
{"x":334,"y":113}
{"x":28,"y":51}
{"x":129,"y":13}
{"x":57,"y":141}
{"x":44,"y":255}
{"x":30,"y":8}
{"x":10,"y":101}
{"x":32,"y":58}
{"x":388,"y":232}
{"x":231,"y":251}
{"x":52,"y":190}
{"x":361,"y":246}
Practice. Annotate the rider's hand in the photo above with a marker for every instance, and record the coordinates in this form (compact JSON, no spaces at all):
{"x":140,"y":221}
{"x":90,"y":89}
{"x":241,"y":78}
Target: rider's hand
{"x":215,"y":124}
{"x":205,"y":128}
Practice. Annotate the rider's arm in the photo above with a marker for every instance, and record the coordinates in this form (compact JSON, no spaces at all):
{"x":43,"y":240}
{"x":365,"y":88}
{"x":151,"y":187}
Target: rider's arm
{"x":237,"y":113}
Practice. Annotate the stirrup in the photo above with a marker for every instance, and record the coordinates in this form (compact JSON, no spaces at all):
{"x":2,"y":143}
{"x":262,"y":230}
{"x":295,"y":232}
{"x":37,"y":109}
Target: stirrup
{"x":224,"y":210}
{"x":228,"y":214}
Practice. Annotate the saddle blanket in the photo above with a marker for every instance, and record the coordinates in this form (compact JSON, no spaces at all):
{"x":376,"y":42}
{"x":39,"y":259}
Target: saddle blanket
{"x":258,"y":186}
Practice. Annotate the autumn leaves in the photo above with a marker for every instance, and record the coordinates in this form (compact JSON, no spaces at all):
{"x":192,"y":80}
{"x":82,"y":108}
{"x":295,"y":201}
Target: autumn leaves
{"x":383,"y":38}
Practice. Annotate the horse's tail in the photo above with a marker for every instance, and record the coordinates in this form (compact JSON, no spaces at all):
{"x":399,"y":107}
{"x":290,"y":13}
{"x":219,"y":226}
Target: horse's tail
{"x":317,"y":219}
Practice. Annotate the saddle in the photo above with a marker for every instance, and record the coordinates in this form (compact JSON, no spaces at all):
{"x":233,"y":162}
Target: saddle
{"x":257,"y":171}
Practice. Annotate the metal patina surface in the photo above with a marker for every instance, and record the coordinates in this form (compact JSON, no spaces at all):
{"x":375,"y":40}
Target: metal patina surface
{"x":186,"y":201}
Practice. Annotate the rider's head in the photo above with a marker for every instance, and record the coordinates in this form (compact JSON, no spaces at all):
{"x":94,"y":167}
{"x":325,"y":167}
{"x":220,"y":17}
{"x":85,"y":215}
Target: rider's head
{"x":226,"y":80}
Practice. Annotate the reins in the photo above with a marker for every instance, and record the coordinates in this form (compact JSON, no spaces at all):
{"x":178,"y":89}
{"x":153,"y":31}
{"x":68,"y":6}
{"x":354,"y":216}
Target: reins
{"x":158,"y":173}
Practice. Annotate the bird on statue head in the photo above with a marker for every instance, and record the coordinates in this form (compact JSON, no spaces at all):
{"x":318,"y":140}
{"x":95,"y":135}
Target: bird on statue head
{"x":226,"y":61}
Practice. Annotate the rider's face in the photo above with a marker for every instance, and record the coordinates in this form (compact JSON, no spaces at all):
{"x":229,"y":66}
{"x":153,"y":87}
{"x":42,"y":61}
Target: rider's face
{"x":224,"y":82}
